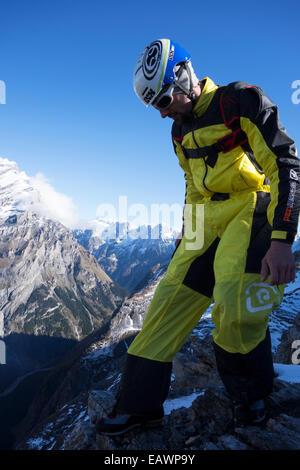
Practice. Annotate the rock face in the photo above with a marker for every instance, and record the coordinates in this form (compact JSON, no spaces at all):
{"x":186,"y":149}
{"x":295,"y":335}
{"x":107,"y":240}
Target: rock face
{"x":129,"y":263}
{"x":289,"y":349}
{"x":51,"y":288}
{"x":49,"y":284}
{"x":205,"y":424}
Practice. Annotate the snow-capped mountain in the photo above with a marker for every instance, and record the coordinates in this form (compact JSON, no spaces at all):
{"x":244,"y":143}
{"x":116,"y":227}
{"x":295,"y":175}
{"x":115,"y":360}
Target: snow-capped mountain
{"x":129,"y":255}
{"x":19,"y":192}
{"x":16,"y":192}
{"x":53,"y":293}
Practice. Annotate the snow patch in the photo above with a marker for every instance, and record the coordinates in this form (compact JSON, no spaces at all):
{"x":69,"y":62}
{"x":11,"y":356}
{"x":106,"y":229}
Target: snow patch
{"x":288,"y":372}
{"x":39,"y":443}
{"x":182,"y":402}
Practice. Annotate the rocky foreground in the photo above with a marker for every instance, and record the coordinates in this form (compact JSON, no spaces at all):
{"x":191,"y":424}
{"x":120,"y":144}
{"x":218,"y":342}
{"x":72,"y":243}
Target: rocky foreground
{"x":205,"y":425}
{"x":199,"y":414}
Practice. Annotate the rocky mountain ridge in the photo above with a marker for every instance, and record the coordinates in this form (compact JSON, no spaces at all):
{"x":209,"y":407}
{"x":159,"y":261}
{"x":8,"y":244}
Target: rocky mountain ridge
{"x":129,"y":255}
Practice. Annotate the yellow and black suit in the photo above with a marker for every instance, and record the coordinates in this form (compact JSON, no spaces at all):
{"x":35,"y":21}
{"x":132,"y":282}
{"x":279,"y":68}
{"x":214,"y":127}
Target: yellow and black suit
{"x":237,"y":201}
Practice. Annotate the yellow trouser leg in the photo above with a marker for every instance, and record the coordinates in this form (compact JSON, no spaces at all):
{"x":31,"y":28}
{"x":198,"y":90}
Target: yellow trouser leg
{"x":176,"y":307}
{"x":242,"y":302}
{"x":173,"y":313}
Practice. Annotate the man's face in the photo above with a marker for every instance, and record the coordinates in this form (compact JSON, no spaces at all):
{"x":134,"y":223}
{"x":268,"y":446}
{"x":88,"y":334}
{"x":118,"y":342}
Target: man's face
{"x":179,"y":110}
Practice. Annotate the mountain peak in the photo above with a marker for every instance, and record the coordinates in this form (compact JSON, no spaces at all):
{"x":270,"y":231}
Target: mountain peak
{"x":15,"y":189}
{"x":19,"y":193}
{"x":114,"y":230}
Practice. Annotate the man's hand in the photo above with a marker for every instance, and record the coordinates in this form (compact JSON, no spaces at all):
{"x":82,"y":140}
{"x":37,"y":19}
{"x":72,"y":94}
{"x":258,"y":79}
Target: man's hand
{"x":279,"y":262}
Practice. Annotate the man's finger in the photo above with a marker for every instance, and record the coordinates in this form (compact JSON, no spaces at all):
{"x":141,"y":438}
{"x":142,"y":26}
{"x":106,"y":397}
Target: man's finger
{"x":283,"y":274}
{"x":274,"y":275}
{"x":291,"y":274}
{"x":264,"y":272}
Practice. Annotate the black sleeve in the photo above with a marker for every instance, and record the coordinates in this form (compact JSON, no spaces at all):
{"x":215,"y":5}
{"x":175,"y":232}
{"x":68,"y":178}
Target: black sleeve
{"x":276,"y":153}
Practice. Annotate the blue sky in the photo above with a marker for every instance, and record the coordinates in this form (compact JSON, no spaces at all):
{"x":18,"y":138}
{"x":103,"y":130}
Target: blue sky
{"x":71,"y":113}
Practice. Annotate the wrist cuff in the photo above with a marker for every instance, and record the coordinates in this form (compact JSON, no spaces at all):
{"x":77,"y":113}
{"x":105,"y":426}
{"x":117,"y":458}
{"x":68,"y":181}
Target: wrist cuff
{"x":282,"y":236}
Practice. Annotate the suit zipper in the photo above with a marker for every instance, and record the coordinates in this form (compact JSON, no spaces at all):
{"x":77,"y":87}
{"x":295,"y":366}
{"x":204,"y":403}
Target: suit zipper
{"x":206,"y":167}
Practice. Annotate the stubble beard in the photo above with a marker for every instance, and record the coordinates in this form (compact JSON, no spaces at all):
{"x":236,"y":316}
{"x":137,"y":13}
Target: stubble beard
{"x":182,"y":118}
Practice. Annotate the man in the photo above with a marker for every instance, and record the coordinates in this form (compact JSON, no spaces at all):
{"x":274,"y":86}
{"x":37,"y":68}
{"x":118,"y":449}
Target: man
{"x":242,"y":195}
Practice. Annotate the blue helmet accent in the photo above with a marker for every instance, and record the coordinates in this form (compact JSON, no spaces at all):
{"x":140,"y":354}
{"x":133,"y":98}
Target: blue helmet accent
{"x":176,"y":54}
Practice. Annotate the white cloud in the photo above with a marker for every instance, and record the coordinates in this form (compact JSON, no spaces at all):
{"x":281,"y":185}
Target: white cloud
{"x":52,"y":204}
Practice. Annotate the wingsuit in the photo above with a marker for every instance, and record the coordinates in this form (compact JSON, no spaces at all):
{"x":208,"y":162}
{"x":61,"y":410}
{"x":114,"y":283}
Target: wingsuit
{"x":242,"y":191}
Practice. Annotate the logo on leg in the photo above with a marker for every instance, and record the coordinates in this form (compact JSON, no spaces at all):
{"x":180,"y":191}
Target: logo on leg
{"x":261,"y":296}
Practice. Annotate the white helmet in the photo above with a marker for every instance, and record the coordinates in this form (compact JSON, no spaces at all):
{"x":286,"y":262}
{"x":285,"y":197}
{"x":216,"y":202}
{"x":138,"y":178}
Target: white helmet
{"x":156,"y":68}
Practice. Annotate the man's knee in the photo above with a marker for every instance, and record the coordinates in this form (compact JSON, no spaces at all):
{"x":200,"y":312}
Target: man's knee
{"x":241,"y":312}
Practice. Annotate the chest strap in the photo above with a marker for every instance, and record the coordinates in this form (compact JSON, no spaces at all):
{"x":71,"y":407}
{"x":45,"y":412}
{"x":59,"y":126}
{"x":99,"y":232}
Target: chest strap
{"x":225,"y":144}
{"x":228,"y":142}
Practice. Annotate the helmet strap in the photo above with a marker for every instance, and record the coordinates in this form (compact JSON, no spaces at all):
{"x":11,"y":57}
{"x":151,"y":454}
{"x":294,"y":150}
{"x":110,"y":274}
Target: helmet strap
{"x":189,"y":92}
